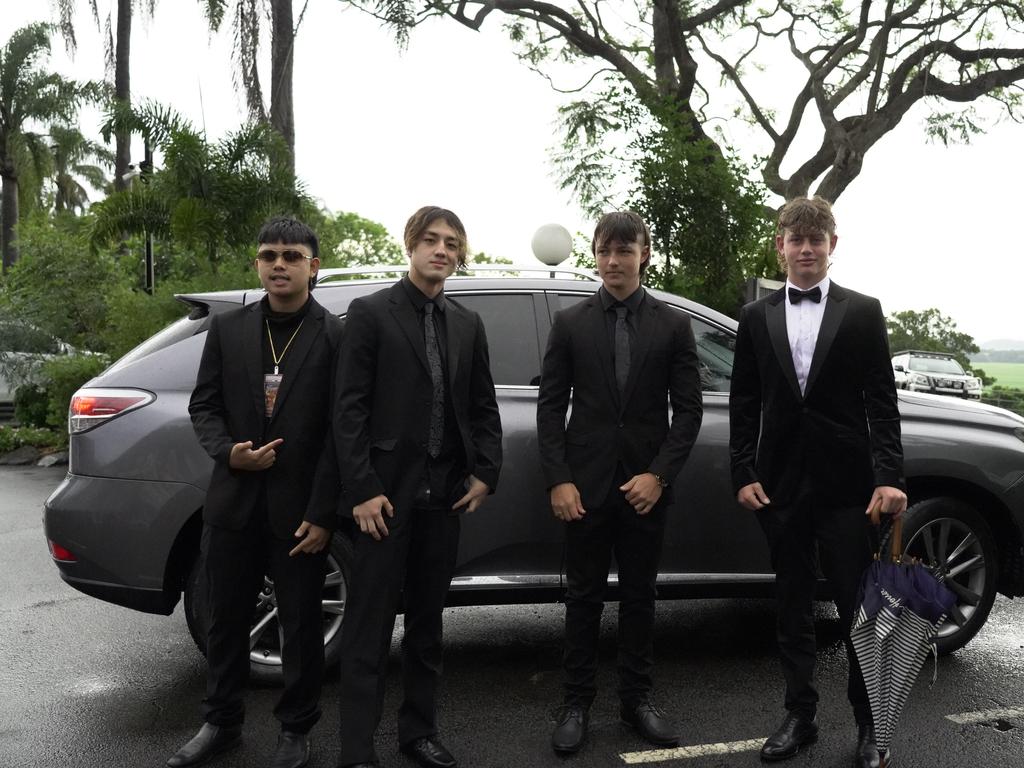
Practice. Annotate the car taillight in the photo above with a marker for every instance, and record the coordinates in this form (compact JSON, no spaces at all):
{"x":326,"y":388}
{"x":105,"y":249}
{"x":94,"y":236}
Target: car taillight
{"x":91,"y":407}
{"x":57,"y":552}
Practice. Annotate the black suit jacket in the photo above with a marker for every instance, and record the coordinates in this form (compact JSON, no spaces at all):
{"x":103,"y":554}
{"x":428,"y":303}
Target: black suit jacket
{"x":843,"y":434}
{"x":383,"y":416}
{"x":604,"y":429}
{"x":227,"y":408}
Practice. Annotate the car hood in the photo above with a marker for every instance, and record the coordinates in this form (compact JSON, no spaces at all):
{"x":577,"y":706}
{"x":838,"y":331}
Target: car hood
{"x":943,"y":408}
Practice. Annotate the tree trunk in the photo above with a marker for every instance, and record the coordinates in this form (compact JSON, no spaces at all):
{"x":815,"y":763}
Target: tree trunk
{"x":282,"y":38}
{"x":9,"y":214}
{"x":122,"y":90}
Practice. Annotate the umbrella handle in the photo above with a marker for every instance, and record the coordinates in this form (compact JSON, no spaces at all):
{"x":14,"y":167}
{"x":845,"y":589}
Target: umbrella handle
{"x":896,"y":540}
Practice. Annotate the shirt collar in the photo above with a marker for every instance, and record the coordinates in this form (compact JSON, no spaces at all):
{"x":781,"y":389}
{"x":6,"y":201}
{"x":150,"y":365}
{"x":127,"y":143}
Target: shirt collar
{"x":419,"y":299}
{"x":632,"y":302}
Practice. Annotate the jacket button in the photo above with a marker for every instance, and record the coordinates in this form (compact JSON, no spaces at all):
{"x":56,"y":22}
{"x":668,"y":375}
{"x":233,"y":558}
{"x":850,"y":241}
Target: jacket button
{"x":621,"y":425}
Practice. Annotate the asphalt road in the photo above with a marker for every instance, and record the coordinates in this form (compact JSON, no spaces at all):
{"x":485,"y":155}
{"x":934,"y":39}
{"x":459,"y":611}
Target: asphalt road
{"x":87,"y":684}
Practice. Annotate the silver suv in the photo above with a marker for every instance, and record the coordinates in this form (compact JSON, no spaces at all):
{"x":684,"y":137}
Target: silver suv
{"x":124,"y":525}
{"x":937,"y":373}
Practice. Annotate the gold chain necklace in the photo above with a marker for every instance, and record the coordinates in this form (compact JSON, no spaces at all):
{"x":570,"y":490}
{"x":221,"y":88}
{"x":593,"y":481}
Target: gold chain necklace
{"x":273,"y":352}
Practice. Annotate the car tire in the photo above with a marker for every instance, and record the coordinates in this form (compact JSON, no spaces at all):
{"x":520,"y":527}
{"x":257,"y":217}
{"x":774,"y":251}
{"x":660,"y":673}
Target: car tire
{"x":955,"y":542}
{"x":265,"y":657}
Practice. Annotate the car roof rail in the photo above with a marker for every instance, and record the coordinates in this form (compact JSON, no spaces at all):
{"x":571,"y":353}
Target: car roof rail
{"x":343,"y":273}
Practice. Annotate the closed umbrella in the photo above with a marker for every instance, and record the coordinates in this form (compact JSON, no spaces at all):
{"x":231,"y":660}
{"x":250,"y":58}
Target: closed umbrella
{"x":901,"y":607}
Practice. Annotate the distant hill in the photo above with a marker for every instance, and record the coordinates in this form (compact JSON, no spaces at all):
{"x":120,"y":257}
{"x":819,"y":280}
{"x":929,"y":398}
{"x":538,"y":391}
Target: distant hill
{"x":1000,"y":345}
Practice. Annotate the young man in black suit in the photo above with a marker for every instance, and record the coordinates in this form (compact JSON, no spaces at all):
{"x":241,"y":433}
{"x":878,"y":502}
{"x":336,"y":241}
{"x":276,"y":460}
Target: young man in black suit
{"x":261,"y":409}
{"x":621,"y":356}
{"x":815,"y":444}
{"x":419,"y":442}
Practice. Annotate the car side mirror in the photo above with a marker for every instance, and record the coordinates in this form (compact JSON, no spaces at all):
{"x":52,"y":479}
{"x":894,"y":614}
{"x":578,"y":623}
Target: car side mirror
{"x":899,"y":368}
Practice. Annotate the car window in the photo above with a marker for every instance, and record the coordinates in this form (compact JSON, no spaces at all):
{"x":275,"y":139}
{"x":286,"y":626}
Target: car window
{"x":715,"y":349}
{"x":511,"y":335}
{"x":560,"y":301}
{"x":936,"y":365}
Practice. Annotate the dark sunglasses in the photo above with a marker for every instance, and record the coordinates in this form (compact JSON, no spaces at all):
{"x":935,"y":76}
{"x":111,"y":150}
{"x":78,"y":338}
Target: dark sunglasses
{"x":268,"y":256}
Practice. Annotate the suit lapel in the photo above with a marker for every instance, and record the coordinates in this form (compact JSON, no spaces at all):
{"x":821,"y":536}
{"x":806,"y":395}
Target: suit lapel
{"x":405,"y":315}
{"x":454,"y":332}
{"x":775,"y":318}
{"x":252,"y":343}
{"x":835,"y":309}
{"x":292,"y":361}
{"x":599,"y":334}
{"x":646,"y":326}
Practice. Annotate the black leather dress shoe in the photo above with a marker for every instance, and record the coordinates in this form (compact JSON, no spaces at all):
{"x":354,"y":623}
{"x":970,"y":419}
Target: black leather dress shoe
{"x":429,"y":752}
{"x":867,"y":751}
{"x":795,"y":732}
{"x":292,"y":750}
{"x":651,"y":723}
{"x":570,"y":729}
{"x":205,"y":745}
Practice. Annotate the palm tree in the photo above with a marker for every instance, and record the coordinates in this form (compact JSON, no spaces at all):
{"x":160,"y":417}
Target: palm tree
{"x":118,"y":55}
{"x":76,"y":157}
{"x":208,"y":195}
{"x":27,"y":93}
{"x":248,"y":16}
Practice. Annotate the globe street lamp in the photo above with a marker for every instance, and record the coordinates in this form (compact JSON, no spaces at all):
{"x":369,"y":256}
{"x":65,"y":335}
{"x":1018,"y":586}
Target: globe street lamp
{"x":551,"y":244}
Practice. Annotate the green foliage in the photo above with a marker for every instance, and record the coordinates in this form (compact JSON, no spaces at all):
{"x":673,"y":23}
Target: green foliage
{"x":1005,"y":397}
{"x":931,"y":331}
{"x":30,"y":405}
{"x":12,"y":438}
{"x":349,"y":240}
{"x":61,"y":377}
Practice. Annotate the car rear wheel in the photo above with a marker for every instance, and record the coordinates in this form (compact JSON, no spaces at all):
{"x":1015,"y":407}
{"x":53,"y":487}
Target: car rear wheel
{"x":953,"y":540}
{"x":265,"y":635}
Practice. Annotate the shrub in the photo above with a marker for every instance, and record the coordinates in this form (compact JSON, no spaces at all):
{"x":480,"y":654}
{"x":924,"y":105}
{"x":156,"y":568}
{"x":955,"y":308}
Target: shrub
{"x":12,"y":438}
{"x":30,"y":405}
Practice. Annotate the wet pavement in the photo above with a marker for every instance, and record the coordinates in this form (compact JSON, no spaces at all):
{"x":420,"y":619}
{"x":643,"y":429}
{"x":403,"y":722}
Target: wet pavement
{"x":88,"y":684}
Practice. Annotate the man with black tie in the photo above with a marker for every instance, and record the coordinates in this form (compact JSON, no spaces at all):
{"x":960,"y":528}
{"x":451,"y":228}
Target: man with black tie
{"x":261,"y":409}
{"x":419,"y":442}
{"x":621,"y":356}
{"x":815,"y":445}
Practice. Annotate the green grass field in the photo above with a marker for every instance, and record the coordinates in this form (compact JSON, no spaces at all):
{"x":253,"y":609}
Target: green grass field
{"x":1006,"y":374}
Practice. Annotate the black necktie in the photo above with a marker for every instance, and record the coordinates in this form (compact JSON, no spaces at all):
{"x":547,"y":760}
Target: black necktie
{"x":796,"y":295}
{"x":436,"y":378}
{"x":621,"y":348}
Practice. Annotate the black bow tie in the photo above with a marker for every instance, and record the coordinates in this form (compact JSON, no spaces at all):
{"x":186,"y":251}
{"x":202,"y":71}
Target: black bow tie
{"x":796,"y":295}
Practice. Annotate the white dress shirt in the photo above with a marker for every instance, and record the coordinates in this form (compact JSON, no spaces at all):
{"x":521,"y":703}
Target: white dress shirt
{"x":803,"y":321}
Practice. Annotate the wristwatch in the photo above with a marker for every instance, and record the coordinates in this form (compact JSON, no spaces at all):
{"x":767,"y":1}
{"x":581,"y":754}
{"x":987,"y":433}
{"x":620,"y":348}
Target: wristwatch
{"x":661,"y":480}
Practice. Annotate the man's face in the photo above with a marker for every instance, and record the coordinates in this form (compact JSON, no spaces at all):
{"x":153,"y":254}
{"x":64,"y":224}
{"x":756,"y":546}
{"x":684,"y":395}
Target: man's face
{"x":285,"y":269}
{"x":619,"y":263}
{"x":435,"y":255}
{"x":806,"y":255}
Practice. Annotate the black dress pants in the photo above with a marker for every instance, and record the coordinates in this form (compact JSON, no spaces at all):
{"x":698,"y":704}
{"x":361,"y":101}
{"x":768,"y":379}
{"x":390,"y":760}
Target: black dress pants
{"x":234,"y":566}
{"x":589,"y":543}
{"x":844,"y":548}
{"x":411,"y":569}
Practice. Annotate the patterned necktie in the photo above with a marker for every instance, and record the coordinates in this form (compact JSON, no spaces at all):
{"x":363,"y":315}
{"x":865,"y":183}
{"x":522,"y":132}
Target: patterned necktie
{"x":621,"y":348}
{"x":436,"y":378}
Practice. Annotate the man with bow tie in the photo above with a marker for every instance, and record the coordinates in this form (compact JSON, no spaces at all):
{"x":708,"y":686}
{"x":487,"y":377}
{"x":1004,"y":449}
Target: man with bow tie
{"x":815,"y":444}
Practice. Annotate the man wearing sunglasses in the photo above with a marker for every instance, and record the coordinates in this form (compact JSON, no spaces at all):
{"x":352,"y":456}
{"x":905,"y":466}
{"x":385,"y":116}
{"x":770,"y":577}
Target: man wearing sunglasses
{"x":262,"y":409}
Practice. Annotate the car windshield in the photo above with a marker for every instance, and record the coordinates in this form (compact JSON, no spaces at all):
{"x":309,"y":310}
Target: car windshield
{"x":936,"y":365}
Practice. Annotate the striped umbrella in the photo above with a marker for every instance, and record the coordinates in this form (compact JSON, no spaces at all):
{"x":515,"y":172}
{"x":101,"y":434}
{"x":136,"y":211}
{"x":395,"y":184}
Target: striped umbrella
{"x":901,"y":607}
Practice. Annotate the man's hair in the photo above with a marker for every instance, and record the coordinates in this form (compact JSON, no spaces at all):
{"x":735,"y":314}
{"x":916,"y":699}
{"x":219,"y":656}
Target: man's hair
{"x":807,"y":216}
{"x":288,"y":230}
{"x":624,"y":227}
{"x":420,"y":221}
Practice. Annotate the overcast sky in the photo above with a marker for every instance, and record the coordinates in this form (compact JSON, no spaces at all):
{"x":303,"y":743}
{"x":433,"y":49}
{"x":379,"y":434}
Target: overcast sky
{"x":457,"y":121}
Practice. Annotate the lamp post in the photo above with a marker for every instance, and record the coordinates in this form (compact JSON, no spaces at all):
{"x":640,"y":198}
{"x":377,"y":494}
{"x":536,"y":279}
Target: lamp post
{"x":551,"y":244}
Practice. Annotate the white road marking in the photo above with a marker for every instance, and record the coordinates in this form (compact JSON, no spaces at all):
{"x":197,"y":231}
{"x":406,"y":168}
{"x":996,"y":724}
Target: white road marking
{"x":984,"y":715}
{"x":697,"y":750}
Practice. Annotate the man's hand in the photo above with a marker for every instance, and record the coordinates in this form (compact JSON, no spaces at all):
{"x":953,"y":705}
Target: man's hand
{"x":642,"y":492}
{"x":245,"y":458}
{"x":565,"y":502}
{"x":753,"y":497}
{"x":892,"y":501}
{"x":314,"y":538}
{"x":370,"y":515}
{"x":476,"y":492}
